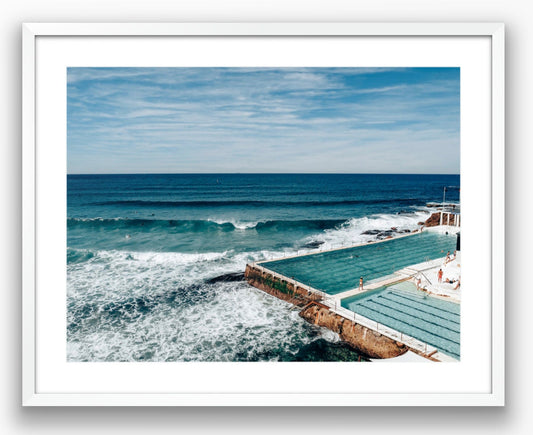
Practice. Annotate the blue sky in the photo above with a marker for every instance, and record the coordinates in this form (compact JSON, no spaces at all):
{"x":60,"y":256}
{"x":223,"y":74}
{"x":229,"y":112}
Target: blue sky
{"x":263,"y":120}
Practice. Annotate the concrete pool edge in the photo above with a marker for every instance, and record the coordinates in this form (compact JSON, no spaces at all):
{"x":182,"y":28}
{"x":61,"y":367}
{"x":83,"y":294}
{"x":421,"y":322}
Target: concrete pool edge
{"x":341,"y":247}
{"x":367,"y":336}
{"x":313,"y":309}
{"x":323,"y":309}
{"x":339,"y":270}
{"x":438,"y":229}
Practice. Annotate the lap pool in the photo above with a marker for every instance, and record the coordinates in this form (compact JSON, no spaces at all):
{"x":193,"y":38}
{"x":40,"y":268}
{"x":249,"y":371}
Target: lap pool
{"x":337,"y":271}
{"x":408,"y":310}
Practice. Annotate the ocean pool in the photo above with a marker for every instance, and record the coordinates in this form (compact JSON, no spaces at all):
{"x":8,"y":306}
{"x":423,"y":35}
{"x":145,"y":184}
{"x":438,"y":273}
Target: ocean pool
{"x":412,"y":312}
{"x":337,"y":271}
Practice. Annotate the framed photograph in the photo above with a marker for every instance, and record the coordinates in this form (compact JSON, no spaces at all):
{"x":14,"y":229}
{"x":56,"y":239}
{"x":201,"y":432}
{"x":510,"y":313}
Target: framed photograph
{"x":295,"y":214}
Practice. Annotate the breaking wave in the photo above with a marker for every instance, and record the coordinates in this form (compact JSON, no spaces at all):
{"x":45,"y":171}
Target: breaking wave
{"x":176,"y":306}
{"x":199,"y":225}
{"x":365,"y":229}
{"x":130,"y":306}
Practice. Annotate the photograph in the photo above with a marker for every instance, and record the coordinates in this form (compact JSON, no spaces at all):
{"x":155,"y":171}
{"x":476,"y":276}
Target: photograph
{"x":263,"y":214}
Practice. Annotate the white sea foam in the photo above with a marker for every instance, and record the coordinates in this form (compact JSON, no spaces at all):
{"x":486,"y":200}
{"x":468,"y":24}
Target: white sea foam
{"x":329,"y":335}
{"x":231,"y":322}
{"x":114,"y":273}
{"x":351,"y":231}
{"x":157,"y":306}
{"x":239,"y":225}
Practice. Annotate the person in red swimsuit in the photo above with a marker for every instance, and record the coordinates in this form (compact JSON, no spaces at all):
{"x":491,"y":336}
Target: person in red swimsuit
{"x":440,"y":275}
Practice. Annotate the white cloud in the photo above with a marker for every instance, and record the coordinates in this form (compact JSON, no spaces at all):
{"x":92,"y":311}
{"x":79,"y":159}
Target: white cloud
{"x":155,"y":117}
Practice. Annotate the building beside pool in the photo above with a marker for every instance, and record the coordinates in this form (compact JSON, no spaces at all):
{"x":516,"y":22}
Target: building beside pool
{"x":402,"y":305}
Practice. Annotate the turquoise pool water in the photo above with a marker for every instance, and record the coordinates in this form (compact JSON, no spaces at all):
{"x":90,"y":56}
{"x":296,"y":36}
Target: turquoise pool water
{"x":337,"y":271}
{"x":408,"y":310}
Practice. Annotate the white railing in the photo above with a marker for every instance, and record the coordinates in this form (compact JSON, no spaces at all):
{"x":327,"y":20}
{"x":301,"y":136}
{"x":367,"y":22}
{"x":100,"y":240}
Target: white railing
{"x":335,"y":306}
{"x":420,"y":273}
{"x":384,"y":330}
{"x":456,"y":220}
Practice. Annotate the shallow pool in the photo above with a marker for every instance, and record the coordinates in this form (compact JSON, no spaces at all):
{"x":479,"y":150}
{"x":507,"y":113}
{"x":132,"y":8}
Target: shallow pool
{"x":412,"y":312}
{"x":337,"y":271}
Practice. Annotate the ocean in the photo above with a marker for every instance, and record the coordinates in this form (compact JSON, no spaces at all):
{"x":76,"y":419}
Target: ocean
{"x":155,"y":262}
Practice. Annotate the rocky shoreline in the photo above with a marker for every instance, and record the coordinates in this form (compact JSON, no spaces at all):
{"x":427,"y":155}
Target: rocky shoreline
{"x":366,"y":341}
{"x":363,"y":339}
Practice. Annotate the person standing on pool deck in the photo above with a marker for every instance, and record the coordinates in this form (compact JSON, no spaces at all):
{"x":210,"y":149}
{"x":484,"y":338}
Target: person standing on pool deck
{"x":440,"y":275}
{"x":361,"y":283}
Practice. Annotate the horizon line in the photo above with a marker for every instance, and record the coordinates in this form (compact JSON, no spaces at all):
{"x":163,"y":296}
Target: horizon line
{"x":261,"y":173}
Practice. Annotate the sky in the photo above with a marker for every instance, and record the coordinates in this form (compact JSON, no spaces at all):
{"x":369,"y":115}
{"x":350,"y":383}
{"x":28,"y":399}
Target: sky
{"x":263,"y":120}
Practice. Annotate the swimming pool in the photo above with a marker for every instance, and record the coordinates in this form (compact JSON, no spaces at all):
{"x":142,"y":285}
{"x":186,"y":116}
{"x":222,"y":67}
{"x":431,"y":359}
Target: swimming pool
{"x":337,"y":271}
{"x":411,"y":311}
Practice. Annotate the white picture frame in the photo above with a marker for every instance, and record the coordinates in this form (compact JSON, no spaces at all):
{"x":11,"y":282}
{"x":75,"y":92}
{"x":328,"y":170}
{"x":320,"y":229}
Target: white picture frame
{"x":34,"y":292}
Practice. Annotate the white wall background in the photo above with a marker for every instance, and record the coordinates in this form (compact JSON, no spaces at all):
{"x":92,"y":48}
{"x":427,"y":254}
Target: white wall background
{"x":515,"y":418}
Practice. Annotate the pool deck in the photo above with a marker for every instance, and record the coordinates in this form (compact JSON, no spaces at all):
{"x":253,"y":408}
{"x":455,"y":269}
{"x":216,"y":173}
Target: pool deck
{"x":426,"y":271}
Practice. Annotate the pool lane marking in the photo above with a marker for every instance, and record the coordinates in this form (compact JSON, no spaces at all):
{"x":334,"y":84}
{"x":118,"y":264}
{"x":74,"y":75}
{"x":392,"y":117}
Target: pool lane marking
{"x":449,"y":339}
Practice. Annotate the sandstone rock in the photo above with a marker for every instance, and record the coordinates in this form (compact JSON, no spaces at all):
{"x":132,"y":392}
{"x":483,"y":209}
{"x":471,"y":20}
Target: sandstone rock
{"x":365,"y":340}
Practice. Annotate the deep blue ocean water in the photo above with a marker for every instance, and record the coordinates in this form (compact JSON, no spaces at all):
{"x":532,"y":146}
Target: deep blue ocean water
{"x":150,"y":258}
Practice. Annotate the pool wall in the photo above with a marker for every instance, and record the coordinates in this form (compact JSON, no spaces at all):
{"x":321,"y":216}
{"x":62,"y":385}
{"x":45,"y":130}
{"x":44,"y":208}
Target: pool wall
{"x":281,"y":287}
{"x":365,"y":340}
